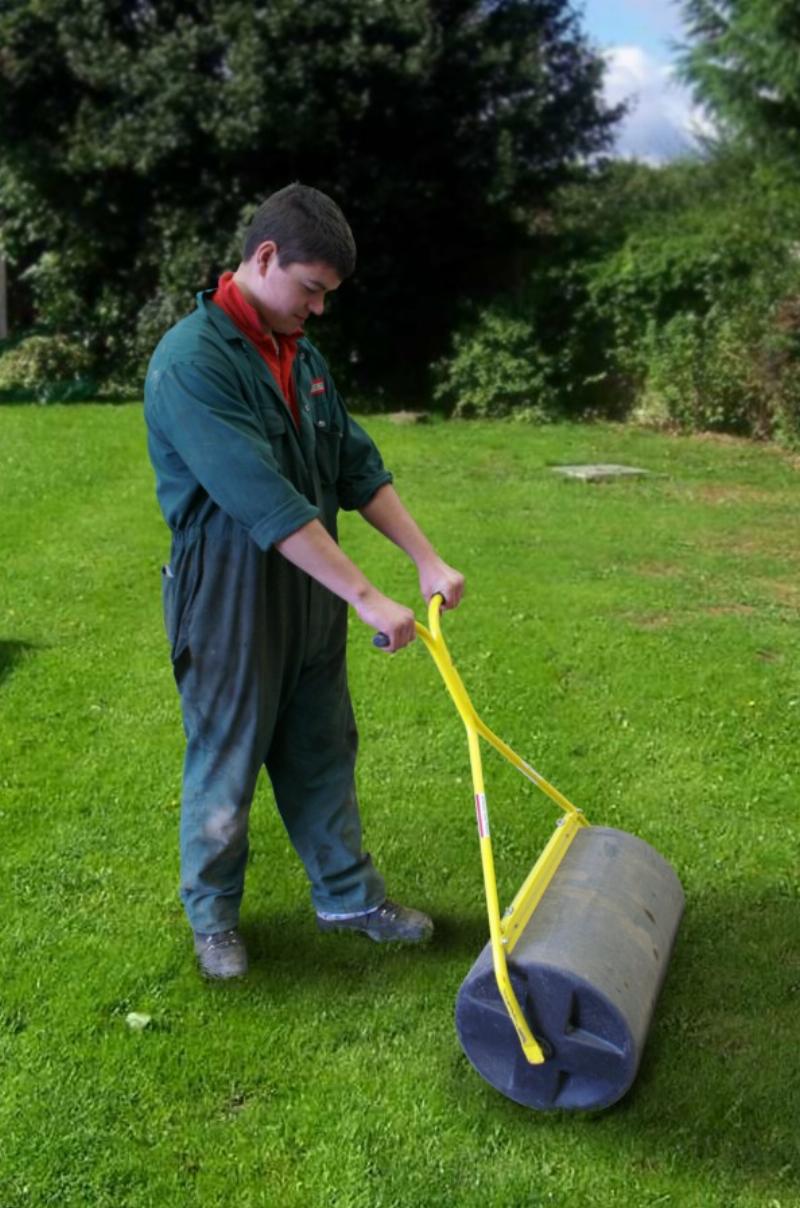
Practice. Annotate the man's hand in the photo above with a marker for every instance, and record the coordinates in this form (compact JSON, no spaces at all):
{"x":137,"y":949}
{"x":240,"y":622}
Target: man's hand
{"x":436,"y":576}
{"x":389,"y":617}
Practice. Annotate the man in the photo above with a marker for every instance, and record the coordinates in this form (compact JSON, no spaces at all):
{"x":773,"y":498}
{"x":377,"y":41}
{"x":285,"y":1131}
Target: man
{"x":254,"y":453}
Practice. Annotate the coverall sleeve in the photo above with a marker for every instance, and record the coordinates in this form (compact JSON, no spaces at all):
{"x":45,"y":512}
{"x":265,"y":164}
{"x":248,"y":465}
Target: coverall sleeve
{"x":198,"y":411}
{"x":361,"y":468}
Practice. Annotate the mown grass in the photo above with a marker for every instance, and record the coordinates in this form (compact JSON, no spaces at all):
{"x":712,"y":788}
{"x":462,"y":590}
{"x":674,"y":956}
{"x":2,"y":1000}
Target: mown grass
{"x":637,"y":641}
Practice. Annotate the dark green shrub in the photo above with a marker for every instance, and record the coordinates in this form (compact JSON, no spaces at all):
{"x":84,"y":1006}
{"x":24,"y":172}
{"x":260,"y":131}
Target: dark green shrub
{"x":734,"y":369}
{"x":47,"y":369}
{"x":688,"y":312}
{"x":697,"y":374}
{"x":779,"y":367}
{"x":657,"y":276}
{"x":497,"y":368}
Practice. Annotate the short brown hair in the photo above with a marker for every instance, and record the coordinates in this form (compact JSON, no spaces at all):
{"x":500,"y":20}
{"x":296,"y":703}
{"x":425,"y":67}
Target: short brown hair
{"x":306,"y":226}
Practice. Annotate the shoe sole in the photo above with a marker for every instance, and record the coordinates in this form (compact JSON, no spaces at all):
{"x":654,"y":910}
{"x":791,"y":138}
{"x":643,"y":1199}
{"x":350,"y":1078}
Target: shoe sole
{"x":329,"y":928}
{"x":209,"y":976}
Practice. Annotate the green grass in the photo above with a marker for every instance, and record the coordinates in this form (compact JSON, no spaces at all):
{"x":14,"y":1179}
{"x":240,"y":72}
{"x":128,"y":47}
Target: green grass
{"x":637,"y":641}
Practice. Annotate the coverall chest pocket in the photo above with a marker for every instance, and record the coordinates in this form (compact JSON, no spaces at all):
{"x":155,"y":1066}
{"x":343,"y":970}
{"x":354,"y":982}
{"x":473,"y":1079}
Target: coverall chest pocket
{"x":328,"y":449}
{"x":275,"y":432}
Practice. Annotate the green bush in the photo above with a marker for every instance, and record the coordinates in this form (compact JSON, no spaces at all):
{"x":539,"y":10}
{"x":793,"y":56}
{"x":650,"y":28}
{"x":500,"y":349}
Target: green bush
{"x":655,"y":277}
{"x":690,"y":278}
{"x":497,"y":368}
{"x":735,"y":369}
{"x":693,"y":324}
{"x":697,"y":374}
{"x":47,"y":369}
{"x":779,"y":367}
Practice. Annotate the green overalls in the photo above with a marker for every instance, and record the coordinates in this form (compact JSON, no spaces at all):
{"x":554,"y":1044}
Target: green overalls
{"x":258,"y":647}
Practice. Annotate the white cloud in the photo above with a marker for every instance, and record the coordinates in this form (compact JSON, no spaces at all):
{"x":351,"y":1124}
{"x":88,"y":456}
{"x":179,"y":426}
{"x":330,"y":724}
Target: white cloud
{"x":663,"y":121}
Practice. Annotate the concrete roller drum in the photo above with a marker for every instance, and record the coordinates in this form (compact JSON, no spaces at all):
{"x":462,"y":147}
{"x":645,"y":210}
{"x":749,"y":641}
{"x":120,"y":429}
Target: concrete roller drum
{"x":587,"y":970}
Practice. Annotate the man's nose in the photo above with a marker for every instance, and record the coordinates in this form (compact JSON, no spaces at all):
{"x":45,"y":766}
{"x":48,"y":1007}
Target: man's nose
{"x":317,"y":305}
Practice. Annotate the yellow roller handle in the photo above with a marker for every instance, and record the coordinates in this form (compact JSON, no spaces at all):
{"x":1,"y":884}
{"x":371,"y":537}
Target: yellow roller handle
{"x":505,"y":931}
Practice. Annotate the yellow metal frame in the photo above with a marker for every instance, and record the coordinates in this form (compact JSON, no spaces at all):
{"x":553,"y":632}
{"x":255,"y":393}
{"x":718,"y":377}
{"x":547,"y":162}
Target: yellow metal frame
{"x":504,"y":932}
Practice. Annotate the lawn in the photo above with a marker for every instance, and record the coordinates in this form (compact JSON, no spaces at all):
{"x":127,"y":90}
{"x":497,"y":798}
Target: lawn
{"x":637,"y":641}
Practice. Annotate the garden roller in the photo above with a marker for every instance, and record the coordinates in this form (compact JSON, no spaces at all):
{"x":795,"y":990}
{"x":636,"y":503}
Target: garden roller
{"x":555,"y":1011}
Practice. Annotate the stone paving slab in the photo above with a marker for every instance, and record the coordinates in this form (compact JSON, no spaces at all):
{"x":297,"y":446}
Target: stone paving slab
{"x":600,"y":472}
{"x":409,"y":417}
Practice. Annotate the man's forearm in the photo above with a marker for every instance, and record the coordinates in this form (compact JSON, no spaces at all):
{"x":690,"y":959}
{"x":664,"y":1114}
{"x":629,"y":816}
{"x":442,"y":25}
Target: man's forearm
{"x":389,"y":516}
{"x":312,"y":549}
{"x":387,"y":513}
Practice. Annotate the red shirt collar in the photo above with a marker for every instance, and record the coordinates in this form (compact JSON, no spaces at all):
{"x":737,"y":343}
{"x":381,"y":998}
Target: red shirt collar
{"x":231,"y":299}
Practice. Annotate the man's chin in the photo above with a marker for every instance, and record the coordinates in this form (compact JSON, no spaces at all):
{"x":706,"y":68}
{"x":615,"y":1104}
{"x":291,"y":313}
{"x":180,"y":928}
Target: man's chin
{"x":290,"y":326}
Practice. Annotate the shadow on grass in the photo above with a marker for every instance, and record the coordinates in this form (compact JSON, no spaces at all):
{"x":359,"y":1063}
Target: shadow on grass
{"x":720,"y":1078}
{"x":290,"y":961}
{"x":286,"y":936}
{"x":11,"y":653}
{"x":719,"y":1083}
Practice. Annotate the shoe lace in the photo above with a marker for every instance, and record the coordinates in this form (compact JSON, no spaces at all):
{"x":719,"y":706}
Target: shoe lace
{"x":224,"y":939}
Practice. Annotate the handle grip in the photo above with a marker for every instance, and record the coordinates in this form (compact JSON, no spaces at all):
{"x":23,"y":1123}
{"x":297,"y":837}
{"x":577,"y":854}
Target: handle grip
{"x":382,"y":640}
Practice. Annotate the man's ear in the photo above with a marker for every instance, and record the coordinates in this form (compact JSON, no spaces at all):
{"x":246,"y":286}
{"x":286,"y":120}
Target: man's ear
{"x":264,"y":254}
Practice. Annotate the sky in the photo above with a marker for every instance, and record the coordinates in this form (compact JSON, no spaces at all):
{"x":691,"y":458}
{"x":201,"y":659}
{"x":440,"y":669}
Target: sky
{"x":638,"y":39}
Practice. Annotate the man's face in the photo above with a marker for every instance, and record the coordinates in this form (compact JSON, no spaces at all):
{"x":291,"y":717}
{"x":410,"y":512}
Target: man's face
{"x":286,"y":297}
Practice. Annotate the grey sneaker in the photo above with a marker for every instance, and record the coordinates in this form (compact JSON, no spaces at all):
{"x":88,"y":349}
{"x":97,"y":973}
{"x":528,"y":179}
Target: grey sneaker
{"x":389,"y":921}
{"x":221,"y":954}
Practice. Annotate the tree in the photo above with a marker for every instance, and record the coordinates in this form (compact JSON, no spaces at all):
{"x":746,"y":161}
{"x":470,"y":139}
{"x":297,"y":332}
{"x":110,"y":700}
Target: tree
{"x":137,"y":137}
{"x":742,"y":59}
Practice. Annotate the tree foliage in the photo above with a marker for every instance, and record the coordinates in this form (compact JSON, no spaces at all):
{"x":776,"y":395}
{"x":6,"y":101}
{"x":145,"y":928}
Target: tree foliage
{"x":742,"y":58}
{"x":687,"y":306}
{"x":668,"y":294}
{"x":137,"y":137}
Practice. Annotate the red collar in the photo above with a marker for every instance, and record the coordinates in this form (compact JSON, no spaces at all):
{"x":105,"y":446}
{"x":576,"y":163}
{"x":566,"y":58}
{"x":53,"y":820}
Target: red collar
{"x":230,"y":298}
{"x":278,"y":353}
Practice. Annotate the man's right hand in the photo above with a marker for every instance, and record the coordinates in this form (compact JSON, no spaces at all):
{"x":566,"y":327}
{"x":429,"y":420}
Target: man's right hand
{"x":386,"y":616}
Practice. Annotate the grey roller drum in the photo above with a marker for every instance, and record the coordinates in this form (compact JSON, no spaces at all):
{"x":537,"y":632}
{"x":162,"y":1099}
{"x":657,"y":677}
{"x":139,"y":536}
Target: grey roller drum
{"x":587,"y":970}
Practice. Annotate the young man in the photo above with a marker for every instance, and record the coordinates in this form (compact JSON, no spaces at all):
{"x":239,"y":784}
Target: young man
{"x":254,"y":453}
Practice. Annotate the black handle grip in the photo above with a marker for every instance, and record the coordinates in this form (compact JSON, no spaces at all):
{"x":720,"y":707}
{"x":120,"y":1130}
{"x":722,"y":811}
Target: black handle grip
{"x":381,"y":640}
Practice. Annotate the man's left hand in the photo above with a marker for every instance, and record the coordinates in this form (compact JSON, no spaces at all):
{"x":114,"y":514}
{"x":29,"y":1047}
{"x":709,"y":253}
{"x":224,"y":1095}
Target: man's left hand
{"x":437,"y":577}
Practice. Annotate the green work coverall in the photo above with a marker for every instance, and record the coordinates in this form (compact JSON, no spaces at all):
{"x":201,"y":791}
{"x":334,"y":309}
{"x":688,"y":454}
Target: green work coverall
{"x":257,"y":645}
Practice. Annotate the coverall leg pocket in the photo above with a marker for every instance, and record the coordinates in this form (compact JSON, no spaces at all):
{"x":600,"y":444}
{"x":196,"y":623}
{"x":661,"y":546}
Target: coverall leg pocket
{"x":180,"y":582}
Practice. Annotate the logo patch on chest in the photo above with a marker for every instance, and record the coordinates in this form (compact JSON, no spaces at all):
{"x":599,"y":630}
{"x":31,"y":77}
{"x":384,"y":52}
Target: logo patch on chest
{"x":318,"y":386}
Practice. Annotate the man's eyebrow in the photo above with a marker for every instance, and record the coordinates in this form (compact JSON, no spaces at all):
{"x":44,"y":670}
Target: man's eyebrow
{"x":317,"y":284}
